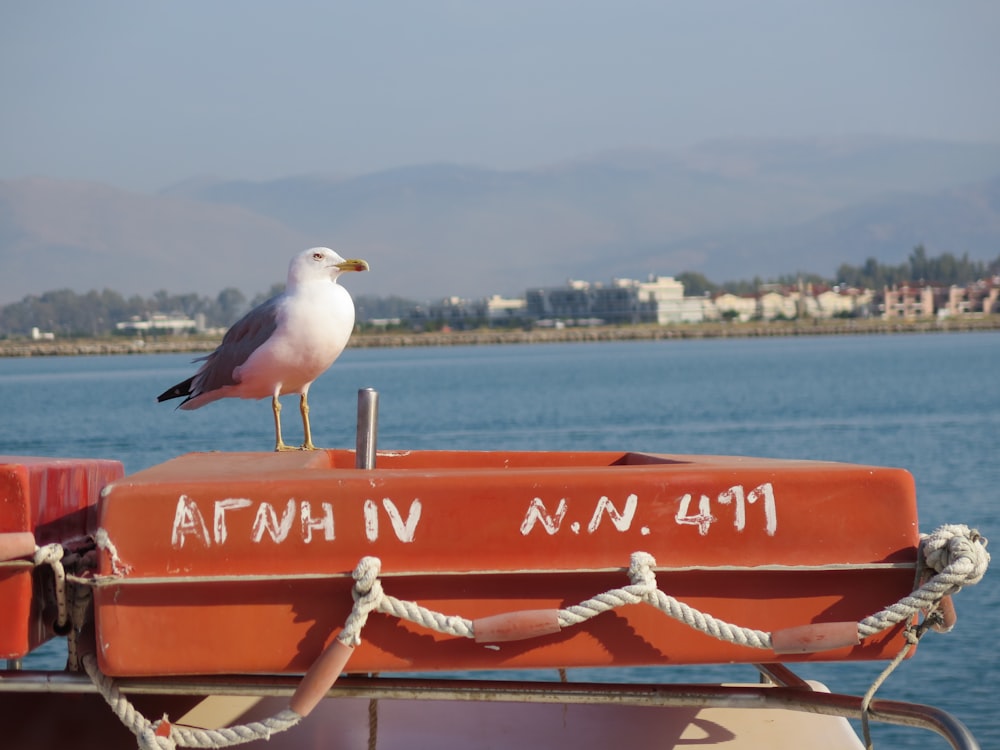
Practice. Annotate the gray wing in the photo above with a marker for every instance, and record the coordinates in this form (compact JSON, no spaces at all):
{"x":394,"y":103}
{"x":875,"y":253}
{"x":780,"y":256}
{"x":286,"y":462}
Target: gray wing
{"x":246,"y":336}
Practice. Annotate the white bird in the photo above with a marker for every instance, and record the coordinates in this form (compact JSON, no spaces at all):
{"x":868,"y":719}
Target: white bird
{"x":282,"y":345}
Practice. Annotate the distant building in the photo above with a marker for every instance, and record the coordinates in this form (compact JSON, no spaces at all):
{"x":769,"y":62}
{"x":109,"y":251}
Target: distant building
{"x":159,"y":323}
{"x":581,"y":300}
{"x":838,"y":301}
{"x":667,"y":297}
{"x":450,"y":312}
{"x":775,"y":305}
{"x":501,"y":310}
{"x":907,"y":302}
{"x":658,"y":300}
{"x":735,"y":306}
{"x":661,"y":300}
{"x":982,"y":298}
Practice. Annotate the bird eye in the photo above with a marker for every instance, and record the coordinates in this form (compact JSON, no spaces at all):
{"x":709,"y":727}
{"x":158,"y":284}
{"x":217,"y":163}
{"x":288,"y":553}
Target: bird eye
{"x":317,"y":256}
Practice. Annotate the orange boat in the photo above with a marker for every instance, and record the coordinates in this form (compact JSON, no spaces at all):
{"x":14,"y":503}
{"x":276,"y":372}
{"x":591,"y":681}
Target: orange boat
{"x":240,"y":586}
{"x":271,"y":541}
{"x":43,"y":502}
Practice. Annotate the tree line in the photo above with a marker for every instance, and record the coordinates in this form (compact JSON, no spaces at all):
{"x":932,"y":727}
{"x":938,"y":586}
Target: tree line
{"x":69,"y":314}
{"x":943,"y":270}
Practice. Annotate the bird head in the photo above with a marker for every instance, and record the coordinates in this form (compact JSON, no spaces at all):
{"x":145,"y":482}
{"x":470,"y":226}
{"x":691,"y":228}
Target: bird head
{"x":320,"y":263}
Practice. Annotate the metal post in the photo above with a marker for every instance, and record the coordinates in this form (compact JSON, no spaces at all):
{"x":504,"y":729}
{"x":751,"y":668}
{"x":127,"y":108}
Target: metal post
{"x":367,"y":428}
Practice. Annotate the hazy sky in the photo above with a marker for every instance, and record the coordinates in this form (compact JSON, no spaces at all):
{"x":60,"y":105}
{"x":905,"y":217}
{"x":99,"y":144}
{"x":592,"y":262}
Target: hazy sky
{"x":142,"y":95}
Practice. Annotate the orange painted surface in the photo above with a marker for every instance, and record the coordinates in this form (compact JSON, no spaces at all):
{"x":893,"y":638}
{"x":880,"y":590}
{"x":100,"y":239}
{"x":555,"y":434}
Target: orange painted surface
{"x":54,"y":499}
{"x":237,"y":563}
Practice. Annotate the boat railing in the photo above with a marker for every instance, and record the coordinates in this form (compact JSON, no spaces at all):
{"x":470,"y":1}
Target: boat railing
{"x":783,"y":690}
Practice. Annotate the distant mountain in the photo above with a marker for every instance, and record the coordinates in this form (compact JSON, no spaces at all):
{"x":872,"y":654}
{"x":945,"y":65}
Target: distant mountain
{"x":727,"y":209}
{"x":81,"y":236}
{"x":959,"y":220}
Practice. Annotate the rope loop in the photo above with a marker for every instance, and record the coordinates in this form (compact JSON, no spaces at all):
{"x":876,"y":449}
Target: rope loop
{"x":366,"y":573}
{"x":367,"y":594}
{"x":50,"y":554}
{"x":641,"y":573}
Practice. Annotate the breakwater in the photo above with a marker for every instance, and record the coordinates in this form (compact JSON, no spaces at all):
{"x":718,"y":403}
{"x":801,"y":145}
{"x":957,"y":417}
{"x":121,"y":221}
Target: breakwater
{"x":486,"y":337}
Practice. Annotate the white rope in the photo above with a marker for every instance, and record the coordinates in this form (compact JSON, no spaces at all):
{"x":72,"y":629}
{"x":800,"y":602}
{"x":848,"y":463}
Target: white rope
{"x":367,"y":593}
{"x":369,"y":597}
{"x":52,"y":555}
{"x":959,"y":557}
{"x":145,"y":730}
{"x":645,"y":589}
{"x":866,"y":701}
{"x":449,"y":624}
{"x":957,"y":553}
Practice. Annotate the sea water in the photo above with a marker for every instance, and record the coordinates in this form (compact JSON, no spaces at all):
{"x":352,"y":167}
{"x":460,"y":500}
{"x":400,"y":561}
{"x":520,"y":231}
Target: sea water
{"x":929,"y":403}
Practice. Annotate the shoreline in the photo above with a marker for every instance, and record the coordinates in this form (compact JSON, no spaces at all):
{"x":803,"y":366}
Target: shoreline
{"x":488,"y":337}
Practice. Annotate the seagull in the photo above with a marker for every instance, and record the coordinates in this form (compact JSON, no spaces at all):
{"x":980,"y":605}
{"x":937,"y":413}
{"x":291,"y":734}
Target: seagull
{"x":282,"y":345}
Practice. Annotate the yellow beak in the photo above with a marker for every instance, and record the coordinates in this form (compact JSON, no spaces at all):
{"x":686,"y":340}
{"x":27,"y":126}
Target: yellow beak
{"x":353,"y":264}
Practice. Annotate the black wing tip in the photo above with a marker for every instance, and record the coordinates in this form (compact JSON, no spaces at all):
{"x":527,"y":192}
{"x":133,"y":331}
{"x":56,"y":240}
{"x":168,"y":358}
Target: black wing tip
{"x":181,"y":389}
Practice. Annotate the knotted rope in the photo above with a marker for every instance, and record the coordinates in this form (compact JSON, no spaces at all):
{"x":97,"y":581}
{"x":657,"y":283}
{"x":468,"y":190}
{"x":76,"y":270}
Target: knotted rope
{"x":959,"y":558}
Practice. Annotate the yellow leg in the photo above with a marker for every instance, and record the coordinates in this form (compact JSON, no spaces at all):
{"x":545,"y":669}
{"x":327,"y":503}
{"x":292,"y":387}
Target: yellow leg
{"x":307,"y":442}
{"x":279,"y":444}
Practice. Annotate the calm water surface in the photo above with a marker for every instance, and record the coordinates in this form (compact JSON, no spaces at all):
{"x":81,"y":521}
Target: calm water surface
{"x":929,"y":403}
